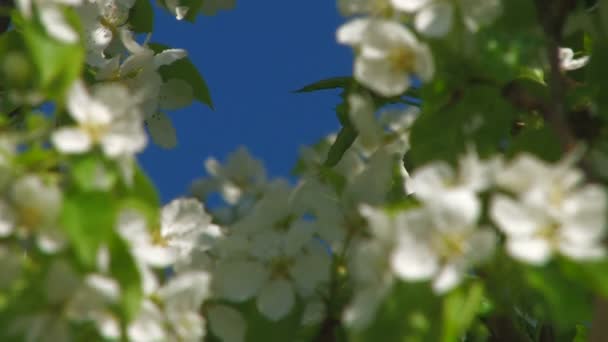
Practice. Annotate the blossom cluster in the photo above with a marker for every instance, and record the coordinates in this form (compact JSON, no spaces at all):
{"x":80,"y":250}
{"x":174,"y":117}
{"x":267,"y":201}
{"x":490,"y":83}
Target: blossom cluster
{"x":389,"y":54}
{"x":271,"y":248}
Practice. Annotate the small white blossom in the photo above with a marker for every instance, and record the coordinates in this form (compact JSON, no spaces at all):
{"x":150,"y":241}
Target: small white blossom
{"x":567,"y":62}
{"x":37,"y":207}
{"x":434,"y":18}
{"x":388,"y":55}
{"x":108,"y":118}
{"x":552,"y":211}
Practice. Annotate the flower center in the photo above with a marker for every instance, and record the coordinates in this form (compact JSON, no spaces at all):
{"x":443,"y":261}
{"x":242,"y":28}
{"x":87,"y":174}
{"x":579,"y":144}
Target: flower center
{"x":95,"y":131}
{"x":381,"y":8}
{"x":402,"y":60}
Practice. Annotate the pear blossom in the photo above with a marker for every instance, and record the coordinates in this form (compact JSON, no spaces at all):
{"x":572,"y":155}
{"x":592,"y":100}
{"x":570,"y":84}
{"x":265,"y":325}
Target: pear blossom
{"x":186,"y":229}
{"x":388,"y":55}
{"x":240,"y":174}
{"x":36,"y":208}
{"x":177,"y":317}
{"x":551,"y":211}
{"x":139,"y":73}
{"x":567,"y":62}
{"x":434,"y":18}
{"x":108,"y":117}
{"x":441,"y":245}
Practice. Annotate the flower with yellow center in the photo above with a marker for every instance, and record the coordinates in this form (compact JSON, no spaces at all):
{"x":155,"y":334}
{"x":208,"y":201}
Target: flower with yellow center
{"x":388,"y":55}
{"x":108,"y":118}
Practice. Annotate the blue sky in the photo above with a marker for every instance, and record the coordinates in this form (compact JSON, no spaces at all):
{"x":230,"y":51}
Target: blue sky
{"x":252,"y":58}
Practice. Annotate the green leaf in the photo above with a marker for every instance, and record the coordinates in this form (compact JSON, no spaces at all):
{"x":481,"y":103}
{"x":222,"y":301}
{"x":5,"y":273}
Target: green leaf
{"x":89,"y":220}
{"x":411,"y":312}
{"x":194,"y":8}
{"x":581,"y":334}
{"x":91,"y":173}
{"x":144,"y":189}
{"x":480,"y":115}
{"x":558,"y":299}
{"x":329,"y":83}
{"x":58,"y":63}
{"x":124,"y":269}
{"x":141,"y":17}
{"x":142,"y":196}
{"x":185,"y":70}
{"x":460,"y":307}
{"x":346,"y":137}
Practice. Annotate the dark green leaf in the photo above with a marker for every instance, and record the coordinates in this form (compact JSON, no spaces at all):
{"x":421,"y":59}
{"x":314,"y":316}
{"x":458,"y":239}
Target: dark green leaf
{"x":124,"y":269}
{"x":329,"y":83}
{"x":184,"y":69}
{"x":141,"y":17}
{"x":344,"y":140}
{"x":460,"y":307}
{"x":411,"y":312}
{"x":58,"y":63}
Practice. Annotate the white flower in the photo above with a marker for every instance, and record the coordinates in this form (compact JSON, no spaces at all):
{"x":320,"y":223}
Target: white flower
{"x":132,"y":227}
{"x":567,"y":61}
{"x":108,"y":118}
{"x":534,"y":233}
{"x":434,"y":18}
{"x":139,"y":72}
{"x":240,"y":174}
{"x":37,"y":206}
{"x":388,"y":55}
{"x":430,"y":243}
{"x":177,"y":317}
{"x":184,"y":223}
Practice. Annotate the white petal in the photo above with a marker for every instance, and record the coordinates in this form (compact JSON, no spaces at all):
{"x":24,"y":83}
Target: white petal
{"x":162,"y":130}
{"x":71,"y":140}
{"x":276,"y":299}
{"x":169,"y":56}
{"x":379,"y":76}
{"x":430,"y":181}
{"x":583,"y":251}
{"x":449,"y":276}
{"x":435,"y":20}
{"x":531,"y":250}
{"x":410,"y":5}
{"x":227,"y":323}
{"x":54,"y":22}
{"x":239,"y":280}
{"x":175,"y":94}
{"x":413,"y":259}
{"x":513,"y":218}
{"x":351,"y":33}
